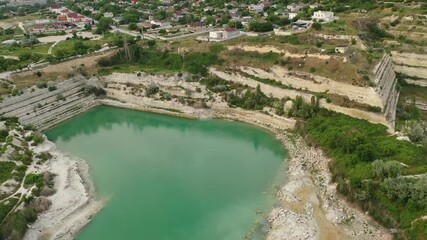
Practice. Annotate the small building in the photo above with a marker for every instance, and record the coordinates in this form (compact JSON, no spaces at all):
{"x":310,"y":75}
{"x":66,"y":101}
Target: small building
{"x":223,"y":35}
{"x":323,"y":16}
{"x":216,"y":35}
{"x":196,"y":26}
{"x":230,"y":32}
{"x":255,"y":8}
{"x":292,"y":15}
{"x":301,"y":24}
{"x":295,"y":7}
{"x":341,"y":49}
{"x":109,"y":14}
{"x":62,"y":18}
{"x":56,"y":8}
{"x":38,"y":28}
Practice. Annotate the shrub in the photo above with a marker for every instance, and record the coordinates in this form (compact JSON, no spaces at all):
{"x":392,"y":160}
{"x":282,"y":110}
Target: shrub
{"x":42,"y":85}
{"x":152,"y":89}
{"x":52,"y":88}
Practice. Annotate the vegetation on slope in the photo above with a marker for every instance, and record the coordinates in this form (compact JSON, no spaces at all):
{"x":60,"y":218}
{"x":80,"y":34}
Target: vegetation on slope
{"x":193,"y":62}
{"x":372,"y":168}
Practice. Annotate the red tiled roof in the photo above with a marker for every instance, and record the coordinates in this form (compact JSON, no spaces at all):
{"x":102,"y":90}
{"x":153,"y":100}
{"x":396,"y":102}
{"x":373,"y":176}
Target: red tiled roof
{"x":230,"y":30}
{"x":72,"y":15}
{"x":62,"y":18}
{"x":39,"y":26}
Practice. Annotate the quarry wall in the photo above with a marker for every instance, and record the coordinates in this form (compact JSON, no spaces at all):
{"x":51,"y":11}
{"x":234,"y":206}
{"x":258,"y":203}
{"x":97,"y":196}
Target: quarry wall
{"x":385,"y":80}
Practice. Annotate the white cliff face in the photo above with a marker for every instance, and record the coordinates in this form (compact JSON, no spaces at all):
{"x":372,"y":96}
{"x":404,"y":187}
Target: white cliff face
{"x":385,"y":79}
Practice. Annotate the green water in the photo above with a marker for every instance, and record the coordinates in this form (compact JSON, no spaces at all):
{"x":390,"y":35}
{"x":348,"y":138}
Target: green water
{"x":172,"y":178}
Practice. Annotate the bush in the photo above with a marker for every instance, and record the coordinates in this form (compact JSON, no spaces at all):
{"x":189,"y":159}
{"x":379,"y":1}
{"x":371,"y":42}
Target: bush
{"x":42,"y":85}
{"x":37,"y":139}
{"x":152,"y":89}
{"x":52,"y":88}
{"x":374,"y":109}
{"x":317,"y":26}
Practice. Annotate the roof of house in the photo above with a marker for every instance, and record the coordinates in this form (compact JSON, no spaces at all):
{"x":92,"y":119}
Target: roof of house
{"x":55,"y":6}
{"x":230,"y":29}
{"x":198,"y":24}
{"x":38,"y":26}
{"x":72,"y":15}
{"x":62,"y":18}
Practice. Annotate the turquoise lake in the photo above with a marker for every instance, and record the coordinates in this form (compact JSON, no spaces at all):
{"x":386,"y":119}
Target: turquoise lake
{"x":172,"y":178}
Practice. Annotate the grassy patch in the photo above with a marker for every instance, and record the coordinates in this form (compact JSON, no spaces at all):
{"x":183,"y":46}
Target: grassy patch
{"x":6,"y":169}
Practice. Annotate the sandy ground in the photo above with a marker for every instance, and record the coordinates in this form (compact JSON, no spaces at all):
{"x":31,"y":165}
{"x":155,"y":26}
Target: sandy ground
{"x":411,"y":59}
{"x":50,"y":39}
{"x":421,"y":83}
{"x":420,"y":72}
{"x":67,"y":66}
{"x":74,"y":202}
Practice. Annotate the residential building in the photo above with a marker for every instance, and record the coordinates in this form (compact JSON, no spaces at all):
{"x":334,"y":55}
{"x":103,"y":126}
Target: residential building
{"x":109,"y":14}
{"x":255,"y":8}
{"x":56,"y":8}
{"x":295,"y":7}
{"x":323,"y":16}
{"x":292,"y":15}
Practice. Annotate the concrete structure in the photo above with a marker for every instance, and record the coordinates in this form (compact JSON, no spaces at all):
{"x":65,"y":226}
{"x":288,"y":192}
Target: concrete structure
{"x":223,"y":35}
{"x":323,"y":16}
{"x":55,"y":8}
{"x":385,"y":79}
{"x":341,"y":49}
{"x":255,"y":8}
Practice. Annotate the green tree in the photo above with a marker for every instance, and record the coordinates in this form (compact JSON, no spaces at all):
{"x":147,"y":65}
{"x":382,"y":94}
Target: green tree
{"x":132,"y":26}
{"x":103,"y":25}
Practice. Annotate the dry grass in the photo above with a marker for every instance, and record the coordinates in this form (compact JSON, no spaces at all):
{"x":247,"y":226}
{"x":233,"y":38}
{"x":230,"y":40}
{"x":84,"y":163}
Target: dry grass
{"x":58,"y":71}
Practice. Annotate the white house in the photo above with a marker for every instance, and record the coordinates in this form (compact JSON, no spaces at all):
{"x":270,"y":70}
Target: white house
{"x":292,"y":15}
{"x":216,"y":35}
{"x":109,"y":14}
{"x":223,"y":35}
{"x":323,"y":16}
{"x":295,"y":7}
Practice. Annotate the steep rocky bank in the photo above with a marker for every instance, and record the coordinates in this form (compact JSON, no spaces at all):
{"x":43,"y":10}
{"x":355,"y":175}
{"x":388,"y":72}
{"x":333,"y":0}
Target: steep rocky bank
{"x":385,"y":80}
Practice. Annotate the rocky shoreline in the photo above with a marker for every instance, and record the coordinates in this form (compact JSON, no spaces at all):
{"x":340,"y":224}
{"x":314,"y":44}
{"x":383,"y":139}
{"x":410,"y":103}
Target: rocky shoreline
{"x":310,"y":207}
{"x":74,"y":202}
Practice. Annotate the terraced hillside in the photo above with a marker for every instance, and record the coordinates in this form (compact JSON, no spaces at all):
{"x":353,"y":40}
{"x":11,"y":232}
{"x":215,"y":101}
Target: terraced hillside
{"x":47,"y":106}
